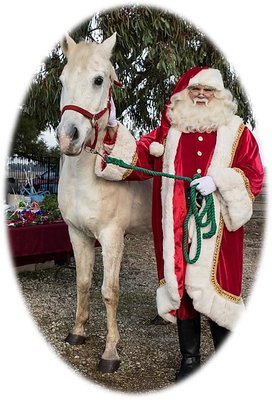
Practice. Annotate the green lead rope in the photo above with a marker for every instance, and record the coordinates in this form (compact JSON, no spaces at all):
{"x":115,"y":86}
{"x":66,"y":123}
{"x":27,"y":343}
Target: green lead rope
{"x":202,"y":218}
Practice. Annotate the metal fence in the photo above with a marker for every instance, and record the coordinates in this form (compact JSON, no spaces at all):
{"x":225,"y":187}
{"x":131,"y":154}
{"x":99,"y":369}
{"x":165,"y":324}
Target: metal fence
{"x":41,"y":173}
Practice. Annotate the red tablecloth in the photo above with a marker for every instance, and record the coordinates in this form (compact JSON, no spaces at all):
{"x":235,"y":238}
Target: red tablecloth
{"x":39,"y":243}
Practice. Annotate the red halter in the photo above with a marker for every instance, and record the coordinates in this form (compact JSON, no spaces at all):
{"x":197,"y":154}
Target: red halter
{"x":92,"y":117}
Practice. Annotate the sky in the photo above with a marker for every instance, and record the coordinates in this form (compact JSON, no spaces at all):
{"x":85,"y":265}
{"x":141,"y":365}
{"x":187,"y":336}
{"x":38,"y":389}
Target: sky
{"x":49,"y":138}
{"x":242,"y":30}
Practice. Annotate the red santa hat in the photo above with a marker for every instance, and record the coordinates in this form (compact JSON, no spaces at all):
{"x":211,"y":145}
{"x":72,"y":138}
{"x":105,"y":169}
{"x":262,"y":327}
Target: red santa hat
{"x":195,"y":76}
{"x":204,"y":76}
{"x":208,"y":77}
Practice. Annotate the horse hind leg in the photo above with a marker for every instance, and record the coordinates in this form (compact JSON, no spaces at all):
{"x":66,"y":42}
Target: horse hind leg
{"x":84,"y":252}
{"x":112,"y":242}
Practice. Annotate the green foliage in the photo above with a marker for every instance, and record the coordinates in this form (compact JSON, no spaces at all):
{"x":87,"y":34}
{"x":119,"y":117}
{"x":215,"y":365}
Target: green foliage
{"x":49,"y":203}
{"x":154,"y":48}
{"x":42,"y":101}
{"x":51,"y":208}
{"x":25,"y":139}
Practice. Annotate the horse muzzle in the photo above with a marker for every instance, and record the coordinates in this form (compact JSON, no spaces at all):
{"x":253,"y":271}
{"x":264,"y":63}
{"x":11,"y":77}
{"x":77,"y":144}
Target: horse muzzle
{"x":68,"y":138}
{"x":69,"y":144}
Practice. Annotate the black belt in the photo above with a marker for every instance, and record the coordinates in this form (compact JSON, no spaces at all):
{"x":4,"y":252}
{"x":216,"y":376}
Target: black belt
{"x":199,"y":198}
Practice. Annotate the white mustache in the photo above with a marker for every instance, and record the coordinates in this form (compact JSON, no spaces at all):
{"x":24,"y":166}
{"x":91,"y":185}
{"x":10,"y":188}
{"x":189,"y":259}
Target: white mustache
{"x":200,"y":100}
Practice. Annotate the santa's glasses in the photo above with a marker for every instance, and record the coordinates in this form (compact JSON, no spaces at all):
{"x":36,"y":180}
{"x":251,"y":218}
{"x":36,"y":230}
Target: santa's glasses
{"x":196,"y":90}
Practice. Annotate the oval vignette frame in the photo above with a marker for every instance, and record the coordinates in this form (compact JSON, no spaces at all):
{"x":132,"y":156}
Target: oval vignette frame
{"x":23,"y":369}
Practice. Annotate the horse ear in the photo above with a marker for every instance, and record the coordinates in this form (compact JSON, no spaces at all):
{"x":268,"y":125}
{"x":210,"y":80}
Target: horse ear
{"x":108,"y":44}
{"x":113,"y":75}
{"x":67,"y":44}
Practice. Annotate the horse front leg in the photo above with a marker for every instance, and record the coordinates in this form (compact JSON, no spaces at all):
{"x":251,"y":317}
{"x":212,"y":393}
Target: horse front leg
{"x":84,"y":253}
{"x":112,"y":242}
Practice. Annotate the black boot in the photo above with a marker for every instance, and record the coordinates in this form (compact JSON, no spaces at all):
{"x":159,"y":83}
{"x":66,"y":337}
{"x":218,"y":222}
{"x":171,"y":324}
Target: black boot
{"x":189,"y":341}
{"x":219,"y":334}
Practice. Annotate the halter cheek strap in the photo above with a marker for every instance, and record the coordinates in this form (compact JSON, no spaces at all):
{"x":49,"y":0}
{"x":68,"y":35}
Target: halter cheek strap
{"x":92,"y":117}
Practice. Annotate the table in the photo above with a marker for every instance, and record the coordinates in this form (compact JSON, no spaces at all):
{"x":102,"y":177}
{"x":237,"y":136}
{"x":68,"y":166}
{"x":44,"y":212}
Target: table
{"x":39,"y":243}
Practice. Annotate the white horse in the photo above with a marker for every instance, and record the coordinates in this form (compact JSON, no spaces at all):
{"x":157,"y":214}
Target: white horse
{"x":93,"y":208}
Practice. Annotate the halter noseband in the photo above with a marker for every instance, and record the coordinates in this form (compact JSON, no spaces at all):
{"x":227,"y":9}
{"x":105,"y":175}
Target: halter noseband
{"x":92,"y":117}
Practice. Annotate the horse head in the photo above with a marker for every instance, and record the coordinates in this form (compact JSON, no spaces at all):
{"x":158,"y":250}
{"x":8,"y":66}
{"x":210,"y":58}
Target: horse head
{"x":86,"y":80}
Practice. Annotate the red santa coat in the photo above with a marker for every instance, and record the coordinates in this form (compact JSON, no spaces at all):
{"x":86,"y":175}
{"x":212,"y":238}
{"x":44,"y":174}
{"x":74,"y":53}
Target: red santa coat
{"x":231,"y":157}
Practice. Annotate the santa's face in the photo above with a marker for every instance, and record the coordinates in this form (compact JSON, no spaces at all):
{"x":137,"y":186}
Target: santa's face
{"x":200,"y":109}
{"x":201,"y":95}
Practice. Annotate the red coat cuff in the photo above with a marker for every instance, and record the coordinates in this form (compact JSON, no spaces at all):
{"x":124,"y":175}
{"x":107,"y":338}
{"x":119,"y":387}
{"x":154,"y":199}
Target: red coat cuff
{"x":108,"y":140}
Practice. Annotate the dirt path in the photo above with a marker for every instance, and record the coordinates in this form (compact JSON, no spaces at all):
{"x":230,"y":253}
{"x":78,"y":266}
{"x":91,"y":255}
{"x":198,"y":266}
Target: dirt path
{"x":149,"y":353}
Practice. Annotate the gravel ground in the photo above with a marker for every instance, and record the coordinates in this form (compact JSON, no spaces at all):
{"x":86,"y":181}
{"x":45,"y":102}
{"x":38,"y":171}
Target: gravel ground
{"x":149,"y":353}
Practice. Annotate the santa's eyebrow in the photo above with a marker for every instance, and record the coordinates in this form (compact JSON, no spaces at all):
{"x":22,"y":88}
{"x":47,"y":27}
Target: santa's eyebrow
{"x":198,"y":87}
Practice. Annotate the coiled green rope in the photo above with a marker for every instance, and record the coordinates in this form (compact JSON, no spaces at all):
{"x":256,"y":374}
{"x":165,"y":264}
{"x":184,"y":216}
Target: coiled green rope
{"x":202,"y":218}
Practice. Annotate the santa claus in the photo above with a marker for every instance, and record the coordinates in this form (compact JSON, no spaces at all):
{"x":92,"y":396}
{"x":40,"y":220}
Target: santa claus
{"x":199,"y":133}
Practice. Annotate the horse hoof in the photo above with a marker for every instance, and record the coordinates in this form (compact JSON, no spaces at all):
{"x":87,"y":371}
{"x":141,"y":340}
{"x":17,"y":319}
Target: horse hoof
{"x":75,"y":339}
{"x":108,"y":366}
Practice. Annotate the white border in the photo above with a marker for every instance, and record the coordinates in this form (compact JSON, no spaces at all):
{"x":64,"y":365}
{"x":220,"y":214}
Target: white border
{"x":242,"y":30}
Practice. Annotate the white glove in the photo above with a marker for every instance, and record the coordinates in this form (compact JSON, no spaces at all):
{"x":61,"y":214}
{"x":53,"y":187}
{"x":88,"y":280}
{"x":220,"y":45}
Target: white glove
{"x":108,"y":148}
{"x":204,"y":185}
{"x":112,"y":122}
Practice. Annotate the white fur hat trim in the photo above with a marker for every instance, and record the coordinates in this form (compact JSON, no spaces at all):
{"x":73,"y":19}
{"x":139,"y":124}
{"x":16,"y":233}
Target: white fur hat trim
{"x":208,"y":77}
{"x":156,"y":149}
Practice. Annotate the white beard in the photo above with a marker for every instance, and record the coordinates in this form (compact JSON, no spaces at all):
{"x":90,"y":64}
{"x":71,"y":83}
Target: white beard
{"x":187,"y":116}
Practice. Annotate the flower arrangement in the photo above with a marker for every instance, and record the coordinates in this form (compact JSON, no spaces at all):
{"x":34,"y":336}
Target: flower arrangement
{"x":43,"y":212}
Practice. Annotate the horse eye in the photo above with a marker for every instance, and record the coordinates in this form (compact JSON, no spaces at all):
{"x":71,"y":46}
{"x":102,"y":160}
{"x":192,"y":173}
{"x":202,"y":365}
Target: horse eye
{"x":98,"y":80}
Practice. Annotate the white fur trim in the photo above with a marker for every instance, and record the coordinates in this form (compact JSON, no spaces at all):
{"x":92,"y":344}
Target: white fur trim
{"x":124,"y":149}
{"x":206,"y":299}
{"x":236,"y":204}
{"x":208,"y":77}
{"x":169,"y":295}
{"x":165,"y":304}
{"x":156,"y":149}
